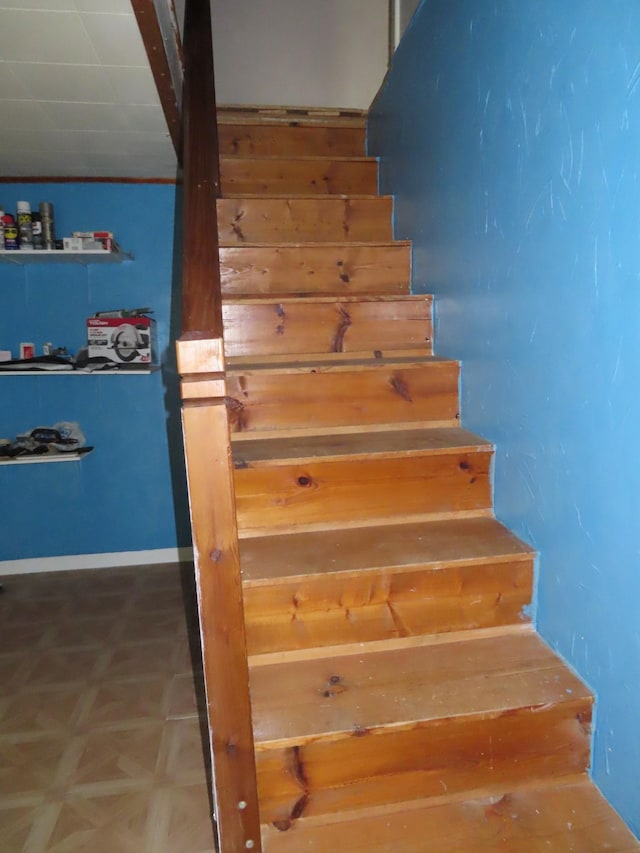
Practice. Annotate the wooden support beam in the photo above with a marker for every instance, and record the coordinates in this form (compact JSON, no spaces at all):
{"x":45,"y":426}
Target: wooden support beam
{"x":161,"y":42}
{"x":217,"y":566}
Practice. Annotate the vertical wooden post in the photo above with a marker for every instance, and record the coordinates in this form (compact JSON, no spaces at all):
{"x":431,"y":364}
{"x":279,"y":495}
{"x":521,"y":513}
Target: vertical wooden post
{"x":208,"y":455}
{"x":217,"y":565}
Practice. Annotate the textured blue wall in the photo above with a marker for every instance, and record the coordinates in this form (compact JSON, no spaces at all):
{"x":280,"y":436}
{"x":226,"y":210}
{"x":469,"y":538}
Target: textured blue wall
{"x":128,"y":495}
{"x":510,"y":132}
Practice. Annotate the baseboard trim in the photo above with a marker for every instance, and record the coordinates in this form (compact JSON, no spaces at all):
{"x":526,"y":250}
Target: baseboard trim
{"x":110,"y":560}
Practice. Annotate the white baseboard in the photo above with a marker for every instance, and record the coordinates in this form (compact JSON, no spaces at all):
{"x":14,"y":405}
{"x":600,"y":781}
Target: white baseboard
{"x":110,"y":560}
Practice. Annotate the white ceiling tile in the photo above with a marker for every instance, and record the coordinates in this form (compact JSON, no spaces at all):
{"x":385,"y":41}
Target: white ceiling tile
{"x":116,"y":39}
{"x":145,"y":118}
{"x":12,"y":84}
{"x":45,"y":37}
{"x":85,"y":116}
{"x":133,"y":85}
{"x":77,"y":97}
{"x":24,"y":115}
{"x":53,"y":82}
{"x":40,"y":5}
{"x":101,"y":5}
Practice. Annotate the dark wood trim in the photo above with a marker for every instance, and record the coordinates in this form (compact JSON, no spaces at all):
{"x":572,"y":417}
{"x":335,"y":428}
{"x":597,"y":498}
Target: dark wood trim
{"x":201,"y":299}
{"x":154,"y":44}
{"x":67,"y":179}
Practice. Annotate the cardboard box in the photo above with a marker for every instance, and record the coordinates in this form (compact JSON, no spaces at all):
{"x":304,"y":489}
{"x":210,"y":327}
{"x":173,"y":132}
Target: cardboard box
{"x":123,"y":340}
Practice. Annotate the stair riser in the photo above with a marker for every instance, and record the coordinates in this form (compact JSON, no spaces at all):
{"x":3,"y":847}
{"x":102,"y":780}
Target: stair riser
{"x":278,"y":328}
{"x":427,"y":760}
{"x":258,"y":220}
{"x":349,"y":397}
{"x":284,"y":140}
{"x":379,"y":605}
{"x":341,"y":492}
{"x":298,"y":177}
{"x":344,"y":270}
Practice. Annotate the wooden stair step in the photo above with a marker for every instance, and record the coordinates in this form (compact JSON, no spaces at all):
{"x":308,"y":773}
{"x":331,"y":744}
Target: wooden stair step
{"x":259,"y":219}
{"x":349,"y":479}
{"x":353,"y":392}
{"x":300,"y":175}
{"x":323,"y":324}
{"x":564,"y":816}
{"x":300,"y":115}
{"x":365,"y":729}
{"x":331,"y":267}
{"x":361,"y":585}
{"x":248,"y":135}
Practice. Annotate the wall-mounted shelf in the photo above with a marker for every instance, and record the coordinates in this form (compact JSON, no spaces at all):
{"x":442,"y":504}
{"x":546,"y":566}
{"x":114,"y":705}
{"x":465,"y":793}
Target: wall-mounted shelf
{"x":54,"y":457}
{"x":145,"y":371}
{"x":57,"y":256}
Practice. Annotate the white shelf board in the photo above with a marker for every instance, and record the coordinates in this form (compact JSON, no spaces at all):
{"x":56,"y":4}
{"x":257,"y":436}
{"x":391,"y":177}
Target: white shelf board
{"x":58,"y":256}
{"x":130,"y":372}
{"x":32,"y":460}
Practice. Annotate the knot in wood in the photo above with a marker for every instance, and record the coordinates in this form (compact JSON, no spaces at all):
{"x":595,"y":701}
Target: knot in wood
{"x":305,"y":481}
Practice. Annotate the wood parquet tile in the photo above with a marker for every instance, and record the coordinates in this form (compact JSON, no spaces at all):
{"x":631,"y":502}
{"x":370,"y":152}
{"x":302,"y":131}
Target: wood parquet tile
{"x":101,"y":743}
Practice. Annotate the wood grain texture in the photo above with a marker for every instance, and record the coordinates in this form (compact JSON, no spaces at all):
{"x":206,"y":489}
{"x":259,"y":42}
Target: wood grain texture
{"x":273,"y":560}
{"x":340,"y":269}
{"x":300,"y":325}
{"x":358,"y":446}
{"x":250,"y":138}
{"x":160,"y":44}
{"x":299,"y":176}
{"x":217,"y":567}
{"x":382,"y":391}
{"x":318,"y":219}
{"x":375,"y":605}
{"x":369,"y":729}
{"x":342,"y":491}
{"x":201,"y":298}
{"x":561,"y":816}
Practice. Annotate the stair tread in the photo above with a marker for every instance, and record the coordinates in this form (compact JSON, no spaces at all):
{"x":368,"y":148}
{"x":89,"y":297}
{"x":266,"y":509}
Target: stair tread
{"x":561,"y":815}
{"x":286,"y":298}
{"x":415,"y":355}
{"x":317,"y":244}
{"x":300,"y":116}
{"x":313,"y":197}
{"x":331,"y":698}
{"x":341,"y":362}
{"x":404,"y":442}
{"x":303,"y":158}
{"x":455,"y":541}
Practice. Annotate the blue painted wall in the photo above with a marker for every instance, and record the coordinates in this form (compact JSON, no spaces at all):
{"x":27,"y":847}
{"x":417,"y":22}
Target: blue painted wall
{"x":510,"y":132}
{"x":128,"y":495}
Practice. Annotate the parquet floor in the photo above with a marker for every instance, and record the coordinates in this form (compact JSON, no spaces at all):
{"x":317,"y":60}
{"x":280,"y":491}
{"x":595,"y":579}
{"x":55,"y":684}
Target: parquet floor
{"x":101,"y":744}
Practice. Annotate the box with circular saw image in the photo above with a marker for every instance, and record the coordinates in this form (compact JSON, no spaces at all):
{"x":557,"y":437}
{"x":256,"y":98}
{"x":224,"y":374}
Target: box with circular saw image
{"x":122,"y":340}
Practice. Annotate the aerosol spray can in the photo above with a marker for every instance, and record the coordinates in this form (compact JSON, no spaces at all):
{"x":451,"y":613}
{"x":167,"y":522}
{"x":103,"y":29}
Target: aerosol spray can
{"x":25,"y":229}
{"x":48,"y":226}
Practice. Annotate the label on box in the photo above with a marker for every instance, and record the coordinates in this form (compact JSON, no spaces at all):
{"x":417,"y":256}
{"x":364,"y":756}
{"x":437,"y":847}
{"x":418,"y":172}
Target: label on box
{"x":123,"y":340}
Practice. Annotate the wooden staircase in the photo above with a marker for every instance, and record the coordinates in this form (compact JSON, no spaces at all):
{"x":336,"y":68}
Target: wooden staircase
{"x":401,"y":700}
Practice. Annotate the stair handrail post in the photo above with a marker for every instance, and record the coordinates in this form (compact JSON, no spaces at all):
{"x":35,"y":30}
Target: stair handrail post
{"x":207,"y":448}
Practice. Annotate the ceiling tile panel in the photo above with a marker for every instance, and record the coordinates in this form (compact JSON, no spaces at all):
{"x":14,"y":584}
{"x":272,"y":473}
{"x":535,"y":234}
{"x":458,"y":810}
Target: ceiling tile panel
{"x":12,"y":84}
{"x":90,"y":83}
{"x":133,"y":85}
{"x":116,"y":39}
{"x":80,"y":116}
{"x":45,"y":37}
{"x":77,"y":97}
{"x":24,"y":115}
{"x":103,"y":6}
{"x":41,"y":5}
{"x":145,"y":118}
